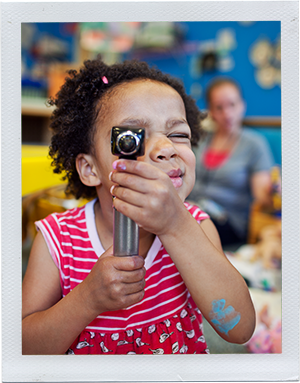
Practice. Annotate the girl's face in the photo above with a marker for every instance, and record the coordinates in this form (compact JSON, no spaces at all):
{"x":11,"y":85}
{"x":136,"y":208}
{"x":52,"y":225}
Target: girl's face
{"x":159,"y":109}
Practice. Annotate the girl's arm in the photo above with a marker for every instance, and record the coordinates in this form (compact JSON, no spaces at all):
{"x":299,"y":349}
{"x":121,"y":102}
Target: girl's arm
{"x":50,"y":323}
{"x":146,"y":195}
{"x":215,"y":285}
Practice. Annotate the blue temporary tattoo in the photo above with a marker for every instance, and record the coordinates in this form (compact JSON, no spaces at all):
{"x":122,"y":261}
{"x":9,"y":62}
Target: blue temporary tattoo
{"x":223,"y":319}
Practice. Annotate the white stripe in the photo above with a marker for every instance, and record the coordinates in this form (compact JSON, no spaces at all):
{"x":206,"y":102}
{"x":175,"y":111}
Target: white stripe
{"x":159,"y":271}
{"x":83,"y":248}
{"x":189,"y":207}
{"x":67,"y":211}
{"x":73,"y":226}
{"x":71,"y":216}
{"x":80,"y":259}
{"x":160,"y":281}
{"x":76,"y":280}
{"x":150,"y":320}
{"x":159,"y":260}
{"x":76,"y":269}
{"x":155,"y":296}
{"x":195,"y":212}
{"x":77,"y":247}
{"x":75,"y":236}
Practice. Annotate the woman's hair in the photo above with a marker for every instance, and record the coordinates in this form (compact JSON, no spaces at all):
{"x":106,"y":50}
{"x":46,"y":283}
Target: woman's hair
{"x":219,"y":81}
{"x":77,"y":106}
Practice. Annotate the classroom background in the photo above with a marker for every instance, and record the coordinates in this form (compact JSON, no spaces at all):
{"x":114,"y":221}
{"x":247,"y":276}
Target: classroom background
{"x":195,"y":52}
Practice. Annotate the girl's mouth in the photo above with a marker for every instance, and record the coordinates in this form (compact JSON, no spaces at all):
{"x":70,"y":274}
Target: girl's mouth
{"x":176,"y":177}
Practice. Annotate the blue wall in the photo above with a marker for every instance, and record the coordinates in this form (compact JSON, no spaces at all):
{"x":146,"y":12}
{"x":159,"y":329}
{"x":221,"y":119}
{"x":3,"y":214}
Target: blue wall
{"x":260,"y":102}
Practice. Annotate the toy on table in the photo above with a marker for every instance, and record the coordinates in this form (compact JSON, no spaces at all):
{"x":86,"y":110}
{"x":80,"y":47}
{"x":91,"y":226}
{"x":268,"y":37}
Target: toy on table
{"x":269,"y":248}
{"x":267,"y":337}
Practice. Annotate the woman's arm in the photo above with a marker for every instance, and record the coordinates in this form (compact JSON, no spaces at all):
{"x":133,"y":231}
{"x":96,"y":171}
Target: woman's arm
{"x":215,"y":285}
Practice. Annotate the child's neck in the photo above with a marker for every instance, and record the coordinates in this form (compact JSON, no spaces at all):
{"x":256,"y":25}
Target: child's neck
{"x":104,"y":226}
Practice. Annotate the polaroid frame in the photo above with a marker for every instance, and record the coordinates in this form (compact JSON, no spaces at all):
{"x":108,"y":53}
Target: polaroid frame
{"x":251,"y":367}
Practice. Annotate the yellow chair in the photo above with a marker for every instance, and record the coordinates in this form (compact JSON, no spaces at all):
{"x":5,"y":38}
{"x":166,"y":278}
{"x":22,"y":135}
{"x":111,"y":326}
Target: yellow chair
{"x":37,"y":173}
{"x":42,"y":190}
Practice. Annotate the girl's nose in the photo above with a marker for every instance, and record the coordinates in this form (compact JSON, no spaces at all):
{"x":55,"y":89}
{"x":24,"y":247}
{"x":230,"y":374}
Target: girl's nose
{"x":161,"y":149}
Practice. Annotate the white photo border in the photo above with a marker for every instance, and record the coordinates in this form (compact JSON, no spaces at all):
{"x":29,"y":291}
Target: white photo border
{"x":238,"y":367}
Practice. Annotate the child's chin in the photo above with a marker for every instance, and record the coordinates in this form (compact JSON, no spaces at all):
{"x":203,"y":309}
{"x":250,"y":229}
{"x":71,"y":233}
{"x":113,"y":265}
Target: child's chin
{"x":183,"y":196}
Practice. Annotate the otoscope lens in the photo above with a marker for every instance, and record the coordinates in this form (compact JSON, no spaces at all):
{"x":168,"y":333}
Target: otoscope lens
{"x":128,"y":143}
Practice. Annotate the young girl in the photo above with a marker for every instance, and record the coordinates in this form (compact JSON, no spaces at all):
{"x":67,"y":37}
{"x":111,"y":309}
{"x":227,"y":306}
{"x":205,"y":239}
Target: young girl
{"x":77,"y":297}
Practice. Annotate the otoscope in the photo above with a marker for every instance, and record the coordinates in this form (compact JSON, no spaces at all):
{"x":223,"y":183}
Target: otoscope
{"x":126,"y":142}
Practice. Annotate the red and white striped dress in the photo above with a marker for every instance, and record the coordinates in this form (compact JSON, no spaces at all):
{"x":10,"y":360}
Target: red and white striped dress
{"x":166,"y":321}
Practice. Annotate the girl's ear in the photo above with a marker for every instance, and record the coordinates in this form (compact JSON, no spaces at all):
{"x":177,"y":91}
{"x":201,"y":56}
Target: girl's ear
{"x":87,"y":170}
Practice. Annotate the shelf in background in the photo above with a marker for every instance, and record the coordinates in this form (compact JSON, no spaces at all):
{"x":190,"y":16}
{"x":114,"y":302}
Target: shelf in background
{"x":262,"y":121}
{"x":35,"y":106}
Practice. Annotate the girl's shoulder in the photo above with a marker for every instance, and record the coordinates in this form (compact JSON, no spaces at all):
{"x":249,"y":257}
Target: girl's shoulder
{"x":73,"y":221}
{"x":196,"y":211}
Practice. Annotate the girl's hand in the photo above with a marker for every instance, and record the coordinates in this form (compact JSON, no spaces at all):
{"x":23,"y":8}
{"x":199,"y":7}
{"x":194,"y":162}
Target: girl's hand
{"x":114,"y":282}
{"x":145,"y":194}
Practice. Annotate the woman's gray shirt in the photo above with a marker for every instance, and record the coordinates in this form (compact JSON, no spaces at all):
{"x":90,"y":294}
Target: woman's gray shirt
{"x":227,"y":188}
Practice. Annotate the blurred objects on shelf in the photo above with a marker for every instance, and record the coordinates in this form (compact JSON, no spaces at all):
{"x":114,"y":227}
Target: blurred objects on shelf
{"x":36,"y":106}
{"x":45,"y":44}
{"x":105,"y":37}
{"x":258,"y":219}
{"x":276,"y":190}
{"x":37,"y":173}
{"x":56,"y":76}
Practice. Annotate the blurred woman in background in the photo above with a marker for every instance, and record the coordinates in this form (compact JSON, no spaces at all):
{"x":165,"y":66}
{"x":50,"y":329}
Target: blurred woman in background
{"x":232,"y":164}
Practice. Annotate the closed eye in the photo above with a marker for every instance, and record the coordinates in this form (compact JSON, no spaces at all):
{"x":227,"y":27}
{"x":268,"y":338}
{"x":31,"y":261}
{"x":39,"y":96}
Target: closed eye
{"x":179,"y":137}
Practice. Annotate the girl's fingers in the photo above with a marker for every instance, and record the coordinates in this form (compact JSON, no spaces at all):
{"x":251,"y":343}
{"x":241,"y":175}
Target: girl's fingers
{"x":133,"y":298}
{"x":130,"y":181}
{"x":140,"y":168}
{"x":133,"y":288}
{"x":129,"y":277}
{"x":127,"y":195}
{"x":131,"y":211}
{"x":131,"y":264}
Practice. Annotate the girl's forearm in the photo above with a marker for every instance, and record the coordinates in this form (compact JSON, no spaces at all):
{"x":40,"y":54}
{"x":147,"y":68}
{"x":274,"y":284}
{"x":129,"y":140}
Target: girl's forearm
{"x":52,"y":331}
{"x":216,"y":286}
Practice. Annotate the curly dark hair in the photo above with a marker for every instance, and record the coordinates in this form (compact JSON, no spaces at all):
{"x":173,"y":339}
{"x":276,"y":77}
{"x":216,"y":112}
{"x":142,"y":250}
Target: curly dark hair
{"x":77,"y":106}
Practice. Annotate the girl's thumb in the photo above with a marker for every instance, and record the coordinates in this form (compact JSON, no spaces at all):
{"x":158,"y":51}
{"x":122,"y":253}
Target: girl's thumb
{"x":108,"y":253}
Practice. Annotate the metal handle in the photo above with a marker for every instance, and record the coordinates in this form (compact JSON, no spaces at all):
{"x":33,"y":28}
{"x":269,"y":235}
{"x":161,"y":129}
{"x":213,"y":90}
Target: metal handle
{"x":126,"y":235}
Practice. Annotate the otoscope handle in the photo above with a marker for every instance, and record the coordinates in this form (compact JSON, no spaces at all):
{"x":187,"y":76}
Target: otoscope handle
{"x":126,"y":235}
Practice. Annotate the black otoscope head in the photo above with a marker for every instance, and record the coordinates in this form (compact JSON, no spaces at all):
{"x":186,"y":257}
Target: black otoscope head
{"x":127,"y":142}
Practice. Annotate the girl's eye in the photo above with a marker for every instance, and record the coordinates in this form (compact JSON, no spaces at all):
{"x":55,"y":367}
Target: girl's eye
{"x":180,"y":137}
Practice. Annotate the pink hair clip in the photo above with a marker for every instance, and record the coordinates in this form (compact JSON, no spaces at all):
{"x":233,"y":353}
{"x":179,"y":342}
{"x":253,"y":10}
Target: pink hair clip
{"x":104,"y":79}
